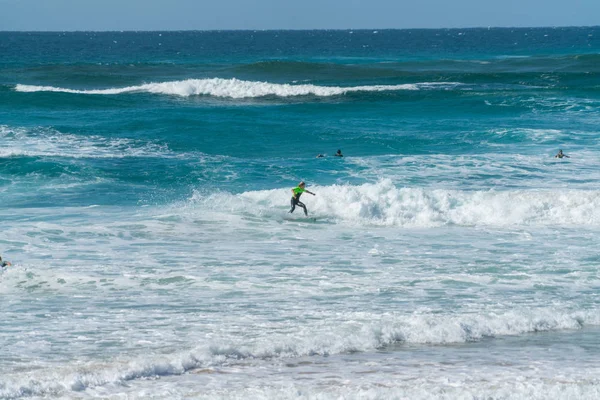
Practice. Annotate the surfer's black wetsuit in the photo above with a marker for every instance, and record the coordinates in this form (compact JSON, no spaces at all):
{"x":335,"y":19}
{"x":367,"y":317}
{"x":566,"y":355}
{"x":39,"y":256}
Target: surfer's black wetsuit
{"x":295,"y":201}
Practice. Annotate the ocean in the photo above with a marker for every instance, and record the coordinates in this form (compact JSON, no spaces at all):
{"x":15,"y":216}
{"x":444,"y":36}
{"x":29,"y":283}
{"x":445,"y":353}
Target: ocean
{"x":145,"y":184}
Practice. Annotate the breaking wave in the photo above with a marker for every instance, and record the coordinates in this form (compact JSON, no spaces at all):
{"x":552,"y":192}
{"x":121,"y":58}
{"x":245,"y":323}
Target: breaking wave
{"x":238,"y":89}
{"x":384,"y":204}
{"x":357,"y":332}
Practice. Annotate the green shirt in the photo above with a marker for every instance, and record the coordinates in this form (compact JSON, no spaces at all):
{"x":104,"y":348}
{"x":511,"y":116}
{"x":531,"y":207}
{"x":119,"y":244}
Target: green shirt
{"x":298,"y":191}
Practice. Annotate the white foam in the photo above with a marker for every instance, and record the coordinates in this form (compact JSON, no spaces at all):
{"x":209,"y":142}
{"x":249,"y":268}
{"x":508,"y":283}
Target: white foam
{"x":172,"y":330}
{"x":41,"y":141}
{"x":350,"y":332}
{"x":237,"y":89}
{"x":384,"y":204}
{"x":474,"y":385}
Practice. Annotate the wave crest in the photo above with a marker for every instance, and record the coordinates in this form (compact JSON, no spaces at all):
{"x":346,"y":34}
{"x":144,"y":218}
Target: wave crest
{"x":237,"y":89}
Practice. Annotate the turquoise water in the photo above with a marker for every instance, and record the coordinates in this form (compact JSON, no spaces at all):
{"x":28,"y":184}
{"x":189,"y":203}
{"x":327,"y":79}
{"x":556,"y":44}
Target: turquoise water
{"x":145,"y":181}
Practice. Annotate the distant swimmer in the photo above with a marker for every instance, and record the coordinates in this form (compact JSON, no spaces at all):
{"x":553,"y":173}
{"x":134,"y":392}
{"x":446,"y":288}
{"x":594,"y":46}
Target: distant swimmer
{"x":296,"y":193}
{"x":339,"y":153}
{"x":320,"y":156}
{"x":4,"y":263}
{"x":560,"y":154}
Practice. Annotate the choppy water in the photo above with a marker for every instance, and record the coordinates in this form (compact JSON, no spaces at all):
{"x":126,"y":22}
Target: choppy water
{"x":145,"y":181}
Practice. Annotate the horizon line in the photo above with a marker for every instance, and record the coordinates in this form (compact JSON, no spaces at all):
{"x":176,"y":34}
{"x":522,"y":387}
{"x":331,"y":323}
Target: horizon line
{"x":298,"y":29}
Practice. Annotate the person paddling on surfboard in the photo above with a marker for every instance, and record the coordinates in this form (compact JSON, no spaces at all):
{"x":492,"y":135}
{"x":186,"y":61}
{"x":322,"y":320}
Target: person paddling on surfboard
{"x":561,"y":155}
{"x":296,"y":193}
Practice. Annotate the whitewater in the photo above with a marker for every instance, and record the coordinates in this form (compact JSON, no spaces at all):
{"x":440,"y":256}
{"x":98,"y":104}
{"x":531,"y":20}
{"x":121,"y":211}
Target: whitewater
{"x":145,"y":182}
{"x":237,"y":89}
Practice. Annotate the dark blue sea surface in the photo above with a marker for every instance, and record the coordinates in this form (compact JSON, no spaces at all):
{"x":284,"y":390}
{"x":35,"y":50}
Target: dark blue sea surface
{"x":450,"y":92}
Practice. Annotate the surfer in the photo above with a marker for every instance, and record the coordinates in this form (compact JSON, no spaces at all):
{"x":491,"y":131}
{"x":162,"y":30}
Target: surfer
{"x":296,"y":193}
{"x":4,"y":263}
{"x":339,"y":153}
{"x":560,"y":154}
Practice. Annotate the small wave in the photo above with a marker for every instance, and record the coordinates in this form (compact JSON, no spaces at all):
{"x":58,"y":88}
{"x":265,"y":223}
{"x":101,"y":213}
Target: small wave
{"x":41,"y":141}
{"x":238,"y":89}
{"x":356,"y":332}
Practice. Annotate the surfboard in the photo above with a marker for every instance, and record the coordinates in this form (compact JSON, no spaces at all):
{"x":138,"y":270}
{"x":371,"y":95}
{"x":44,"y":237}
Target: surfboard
{"x":300,"y":219}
